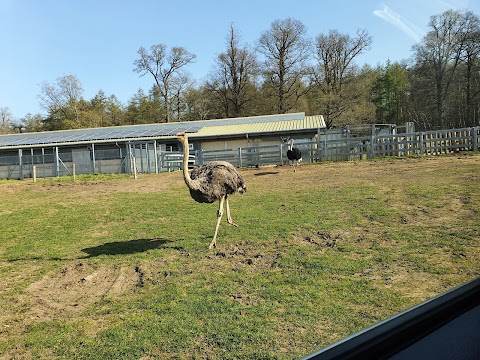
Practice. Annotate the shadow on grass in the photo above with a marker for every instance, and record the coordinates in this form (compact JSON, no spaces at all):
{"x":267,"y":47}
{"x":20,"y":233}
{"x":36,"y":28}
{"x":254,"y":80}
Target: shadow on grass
{"x":266,"y":173}
{"x":125,"y":247}
{"x":113,"y":248}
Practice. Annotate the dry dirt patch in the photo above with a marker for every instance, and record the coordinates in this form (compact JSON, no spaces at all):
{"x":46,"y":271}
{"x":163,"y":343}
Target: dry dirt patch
{"x":77,"y":286}
{"x":146,"y":183}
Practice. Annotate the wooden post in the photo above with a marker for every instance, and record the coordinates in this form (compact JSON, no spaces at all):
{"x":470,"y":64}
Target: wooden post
{"x":73,"y":171}
{"x":475,"y":138}
{"x":324,"y":150}
{"x":34,"y":174}
{"x":134,"y":168}
{"x":421,"y":144}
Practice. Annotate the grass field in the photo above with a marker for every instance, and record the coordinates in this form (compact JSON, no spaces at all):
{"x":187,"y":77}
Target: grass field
{"x":116,"y":268}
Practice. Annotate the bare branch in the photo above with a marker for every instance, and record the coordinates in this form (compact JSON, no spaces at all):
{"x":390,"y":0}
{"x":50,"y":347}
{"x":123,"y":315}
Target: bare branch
{"x":163,"y":67}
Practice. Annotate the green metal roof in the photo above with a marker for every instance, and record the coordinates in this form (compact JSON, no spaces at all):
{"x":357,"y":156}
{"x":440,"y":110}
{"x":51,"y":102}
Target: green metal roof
{"x":261,"y":127}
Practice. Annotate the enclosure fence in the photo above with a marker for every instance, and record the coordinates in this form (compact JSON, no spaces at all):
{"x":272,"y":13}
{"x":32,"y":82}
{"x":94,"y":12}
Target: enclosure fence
{"x":346,"y":147}
{"x":147,"y":157}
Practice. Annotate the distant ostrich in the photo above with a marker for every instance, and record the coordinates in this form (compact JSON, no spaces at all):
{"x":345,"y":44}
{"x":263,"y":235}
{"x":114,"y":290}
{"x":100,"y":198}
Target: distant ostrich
{"x":294,"y":154}
{"x":210,"y":182}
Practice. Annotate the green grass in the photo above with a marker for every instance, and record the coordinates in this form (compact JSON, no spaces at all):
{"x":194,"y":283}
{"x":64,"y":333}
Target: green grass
{"x":117,"y":268}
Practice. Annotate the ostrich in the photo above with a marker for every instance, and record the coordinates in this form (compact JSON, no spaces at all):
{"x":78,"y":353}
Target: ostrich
{"x":213,"y":181}
{"x":294,"y":154}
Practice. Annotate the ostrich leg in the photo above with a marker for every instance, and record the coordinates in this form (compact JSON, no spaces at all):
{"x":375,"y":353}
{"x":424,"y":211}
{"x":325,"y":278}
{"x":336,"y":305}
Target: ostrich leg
{"x":229,"y":217}
{"x":219,"y":217}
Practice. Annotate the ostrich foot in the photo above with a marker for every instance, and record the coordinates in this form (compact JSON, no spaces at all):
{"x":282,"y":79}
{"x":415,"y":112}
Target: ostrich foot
{"x":212,"y":245}
{"x":231,"y":222}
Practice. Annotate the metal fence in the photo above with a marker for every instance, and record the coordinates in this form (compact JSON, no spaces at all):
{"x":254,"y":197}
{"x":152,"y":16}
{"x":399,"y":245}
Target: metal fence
{"x":147,"y":157}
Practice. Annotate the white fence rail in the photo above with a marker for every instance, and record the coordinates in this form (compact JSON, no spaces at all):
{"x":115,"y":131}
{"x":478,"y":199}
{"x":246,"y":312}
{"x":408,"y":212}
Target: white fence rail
{"x":353,"y":148}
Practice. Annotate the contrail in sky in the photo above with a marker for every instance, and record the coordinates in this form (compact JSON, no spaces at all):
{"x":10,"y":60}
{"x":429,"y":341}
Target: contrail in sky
{"x":395,"y":19}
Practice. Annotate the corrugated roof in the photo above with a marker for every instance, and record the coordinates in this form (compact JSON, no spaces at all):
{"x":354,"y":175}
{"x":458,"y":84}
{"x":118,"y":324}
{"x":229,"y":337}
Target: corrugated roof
{"x":205,"y":128}
{"x":253,"y":119}
{"x":307,"y":123}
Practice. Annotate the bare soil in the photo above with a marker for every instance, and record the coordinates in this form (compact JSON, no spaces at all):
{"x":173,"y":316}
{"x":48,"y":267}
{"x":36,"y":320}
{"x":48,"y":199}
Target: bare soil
{"x":76,"y":287}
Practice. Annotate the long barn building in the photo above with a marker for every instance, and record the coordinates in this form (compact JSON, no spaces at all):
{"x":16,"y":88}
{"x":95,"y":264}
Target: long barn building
{"x":151,"y":148}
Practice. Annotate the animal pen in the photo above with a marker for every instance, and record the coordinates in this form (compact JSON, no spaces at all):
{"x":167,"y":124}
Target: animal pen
{"x":346,"y":144}
{"x":343,"y":146}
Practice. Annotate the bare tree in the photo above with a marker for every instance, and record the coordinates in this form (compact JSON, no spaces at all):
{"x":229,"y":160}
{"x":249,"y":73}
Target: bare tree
{"x":234,"y":75}
{"x":7,"y":120}
{"x":61,"y":99}
{"x":335,"y":68}
{"x":441,"y":50}
{"x":179,"y":88}
{"x":471,"y":60}
{"x":164,"y":67}
{"x":286,"y":48}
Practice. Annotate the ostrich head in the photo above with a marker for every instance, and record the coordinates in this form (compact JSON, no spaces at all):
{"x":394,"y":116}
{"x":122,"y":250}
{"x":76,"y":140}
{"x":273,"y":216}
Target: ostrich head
{"x":182,"y":137}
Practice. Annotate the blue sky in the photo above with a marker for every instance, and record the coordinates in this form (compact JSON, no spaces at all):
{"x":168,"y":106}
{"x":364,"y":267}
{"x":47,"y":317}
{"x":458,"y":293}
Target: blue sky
{"x":97,"y":40}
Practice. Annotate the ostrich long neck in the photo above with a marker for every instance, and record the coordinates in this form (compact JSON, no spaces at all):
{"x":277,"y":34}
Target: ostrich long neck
{"x":186,"y":176}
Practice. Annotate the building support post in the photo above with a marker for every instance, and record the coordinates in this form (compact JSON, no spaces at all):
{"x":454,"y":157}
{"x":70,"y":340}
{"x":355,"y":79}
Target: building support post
{"x":200,"y":157}
{"x":128,"y":162}
{"x":31,"y":158}
{"x":20,"y":164}
{"x":94,"y":165}
{"x":156,"y":155}
{"x":57,"y":162}
{"x":142,"y":157}
{"x":280,"y":148}
{"x":43,"y":162}
{"x":240,"y":164}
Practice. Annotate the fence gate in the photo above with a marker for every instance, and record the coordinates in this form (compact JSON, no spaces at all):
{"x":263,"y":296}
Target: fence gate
{"x":145,"y":155}
{"x":83,"y":161}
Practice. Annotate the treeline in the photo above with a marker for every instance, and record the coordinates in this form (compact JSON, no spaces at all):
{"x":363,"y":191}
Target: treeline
{"x":438,"y":87}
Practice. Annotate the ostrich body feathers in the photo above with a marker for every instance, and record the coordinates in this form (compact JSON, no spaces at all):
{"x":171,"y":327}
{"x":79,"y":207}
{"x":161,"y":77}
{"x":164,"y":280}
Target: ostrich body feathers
{"x":214,"y":180}
{"x":294,"y":154}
